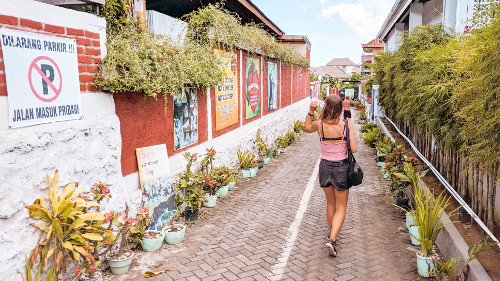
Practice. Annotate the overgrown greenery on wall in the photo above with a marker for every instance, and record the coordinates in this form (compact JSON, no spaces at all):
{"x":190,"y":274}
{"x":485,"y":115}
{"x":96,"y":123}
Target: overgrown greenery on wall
{"x":137,"y":61}
{"x":448,"y":85}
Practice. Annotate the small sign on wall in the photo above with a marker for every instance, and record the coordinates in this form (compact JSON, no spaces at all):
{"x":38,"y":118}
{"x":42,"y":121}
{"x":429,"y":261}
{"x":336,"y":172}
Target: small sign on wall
{"x":42,"y":78}
{"x":156,"y":184}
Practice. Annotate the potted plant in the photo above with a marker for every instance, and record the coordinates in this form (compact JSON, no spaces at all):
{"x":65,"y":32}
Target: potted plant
{"x":210,"y":185}
{"x":291,"y":136}
{"x":120,"y":256}
{"x":298,"y":127}
{"x":68,"y":229}
{"x":372,"y":136}
{"x":189,"y":189}
{"x":150,"y":240}
{"x":454,"y":269}
{"x":232,"y":179}
{"x":362,"y":117}
{"x":247,"y":163}
{"x":222,"y":174}
{"x":174,"y":232}
{"x":260,"y":147}
{"x":428,"y":218}
{"x":90,"y":267}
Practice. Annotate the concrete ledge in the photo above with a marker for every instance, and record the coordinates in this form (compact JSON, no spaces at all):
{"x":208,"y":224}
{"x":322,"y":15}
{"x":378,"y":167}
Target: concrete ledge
{"x":449,"y":241}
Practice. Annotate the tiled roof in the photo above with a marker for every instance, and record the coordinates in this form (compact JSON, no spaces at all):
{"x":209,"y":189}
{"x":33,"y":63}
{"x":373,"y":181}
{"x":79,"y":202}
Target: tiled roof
{"x":340,"y":62}
{"x":373,"y":44}
{"x":331,"y":71}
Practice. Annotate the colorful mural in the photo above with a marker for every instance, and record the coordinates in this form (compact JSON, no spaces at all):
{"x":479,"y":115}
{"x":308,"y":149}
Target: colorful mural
{"x":272,"y":82}
{"x":185,"y":118}
{"x":156,"y":184}
{"x":252,"y":87}
{"x":226,"y":95}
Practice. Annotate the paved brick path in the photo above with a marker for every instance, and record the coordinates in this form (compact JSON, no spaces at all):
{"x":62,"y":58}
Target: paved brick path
{"x":244,"y":236}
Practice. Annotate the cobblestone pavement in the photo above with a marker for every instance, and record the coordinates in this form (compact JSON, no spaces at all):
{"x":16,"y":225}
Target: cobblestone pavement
{"x":247,"y":237}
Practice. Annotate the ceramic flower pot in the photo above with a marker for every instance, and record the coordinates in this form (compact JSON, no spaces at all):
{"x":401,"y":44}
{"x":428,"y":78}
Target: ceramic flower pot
{"x":231,"y":185}
{"x":266,"y":160}
{"x":174,"y":237}
{"x":222,"y":192}
{"x":270,"y":155}
{"x":409,"y":221}
{"x":191,"y":215}
{"x":246,"y":173}
{"x":425,"y":265}
{"x":278,"y":151}
{"x":380,"y":164}
{"x":210,"y":200}
{"x":152,"y":245}
{"x":120,"y":266}
{"x":301,"y":132}
{"x":414,"y":234}
{"x":254,"y":171}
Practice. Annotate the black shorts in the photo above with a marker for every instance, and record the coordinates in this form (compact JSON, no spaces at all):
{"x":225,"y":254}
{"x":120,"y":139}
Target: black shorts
{"x":334,"y":173}
{"x":347,"y":114}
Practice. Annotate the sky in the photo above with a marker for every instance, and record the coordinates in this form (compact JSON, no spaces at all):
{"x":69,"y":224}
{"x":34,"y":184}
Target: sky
{"x":335,"y":28}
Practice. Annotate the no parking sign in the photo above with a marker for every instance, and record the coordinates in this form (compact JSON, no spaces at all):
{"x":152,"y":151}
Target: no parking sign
{"x":42,"y":78}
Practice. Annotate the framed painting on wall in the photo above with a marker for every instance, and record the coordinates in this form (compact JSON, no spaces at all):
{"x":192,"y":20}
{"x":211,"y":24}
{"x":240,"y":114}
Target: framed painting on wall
{"x":252,"y":87}
{"x":185,"y":118}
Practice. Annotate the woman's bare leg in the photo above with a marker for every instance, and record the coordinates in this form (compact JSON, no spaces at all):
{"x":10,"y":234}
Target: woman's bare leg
{"x":330,"y":204}
{"x":339,"y":213}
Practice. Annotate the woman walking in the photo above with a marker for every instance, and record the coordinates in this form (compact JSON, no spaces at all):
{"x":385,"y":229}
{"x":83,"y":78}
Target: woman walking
{"x":333,"y":165}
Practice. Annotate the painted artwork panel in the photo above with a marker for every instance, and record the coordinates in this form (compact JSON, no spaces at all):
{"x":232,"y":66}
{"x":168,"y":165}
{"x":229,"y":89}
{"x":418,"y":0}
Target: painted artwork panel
{"x":272,"y":83}
{"x":156,"y":184}
{"x":349,"y":93}
{"x":252,"y":87}
{"x":185,"y":118}
{"x":226,"y":95}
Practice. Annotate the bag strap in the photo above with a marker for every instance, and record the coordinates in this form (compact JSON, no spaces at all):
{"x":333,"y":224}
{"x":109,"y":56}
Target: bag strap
{"x":350,"y":157}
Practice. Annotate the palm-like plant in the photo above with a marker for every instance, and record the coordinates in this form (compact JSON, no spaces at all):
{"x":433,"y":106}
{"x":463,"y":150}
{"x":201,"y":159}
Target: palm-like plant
{"x":67,"y":229}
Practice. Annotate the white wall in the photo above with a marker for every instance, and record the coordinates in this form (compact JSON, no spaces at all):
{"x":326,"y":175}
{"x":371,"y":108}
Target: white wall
{"x":86,"y":150}
{"x":432,"y":12}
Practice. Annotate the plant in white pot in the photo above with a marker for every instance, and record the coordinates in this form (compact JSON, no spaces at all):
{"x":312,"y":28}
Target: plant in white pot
{"x":120,"y":256}
{"x":247,"y":163}
{"x":175,"y":231}
{"x":429,"y":216}
{"x":259,"y":145}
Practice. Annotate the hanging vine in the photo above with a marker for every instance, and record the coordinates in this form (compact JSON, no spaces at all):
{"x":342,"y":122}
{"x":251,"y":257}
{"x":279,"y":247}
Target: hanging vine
{"x":154,"y":64}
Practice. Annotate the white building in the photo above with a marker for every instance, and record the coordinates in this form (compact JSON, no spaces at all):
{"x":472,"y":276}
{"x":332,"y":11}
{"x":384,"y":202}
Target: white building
{"x":406,"y":14}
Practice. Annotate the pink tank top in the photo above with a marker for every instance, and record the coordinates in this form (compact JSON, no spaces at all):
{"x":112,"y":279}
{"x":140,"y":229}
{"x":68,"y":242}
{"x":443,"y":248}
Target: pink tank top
{"x":333,"y":151}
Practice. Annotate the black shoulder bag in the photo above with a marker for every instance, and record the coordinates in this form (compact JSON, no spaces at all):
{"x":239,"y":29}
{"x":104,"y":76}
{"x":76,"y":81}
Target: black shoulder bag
{"x":354,"y":172}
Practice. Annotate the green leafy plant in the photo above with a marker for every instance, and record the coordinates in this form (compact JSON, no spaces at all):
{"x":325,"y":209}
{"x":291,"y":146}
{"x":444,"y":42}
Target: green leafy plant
{"x":150,"y":64}
{"x":298,"y":126}
{"x":429,"y":217}
{"x":189,"y":185}
{"x":362,"y":115}
{"x":260,"y":146}
{"x":456,"y":270}
{"x":142,"y":221}
{"x":125,"y":226}
{"x":366,"y":127}
{"x":372,"y":136}
{"x":291,"y":136}
{"x":67,"y":230}
{"x":246,"y":159}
